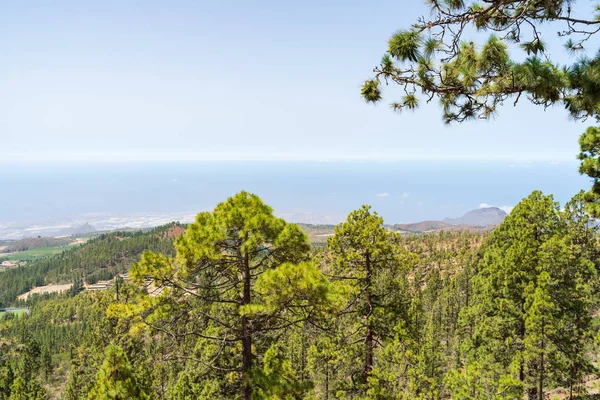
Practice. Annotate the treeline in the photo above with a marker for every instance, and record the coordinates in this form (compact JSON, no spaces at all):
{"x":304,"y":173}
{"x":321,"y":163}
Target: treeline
{"x":247,"y":309}
{"x":100,"y":258}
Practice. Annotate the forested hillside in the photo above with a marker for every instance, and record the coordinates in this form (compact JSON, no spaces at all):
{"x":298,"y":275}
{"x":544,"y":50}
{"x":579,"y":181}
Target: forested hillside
{"x":100,"y":258}
{"x":243,"y":307}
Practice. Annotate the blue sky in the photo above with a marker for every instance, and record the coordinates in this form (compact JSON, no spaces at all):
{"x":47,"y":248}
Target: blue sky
{"x":155,"y":80}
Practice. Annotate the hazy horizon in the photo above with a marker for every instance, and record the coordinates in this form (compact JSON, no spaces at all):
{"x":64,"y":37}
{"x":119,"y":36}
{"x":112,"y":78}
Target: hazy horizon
{"x":404,"y":191}
{"x":110,"y":107}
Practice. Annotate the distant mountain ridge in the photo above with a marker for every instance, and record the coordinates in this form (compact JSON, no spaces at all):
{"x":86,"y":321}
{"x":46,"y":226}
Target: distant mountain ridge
{"x":481,"y":217}
{"x":77,"y":230}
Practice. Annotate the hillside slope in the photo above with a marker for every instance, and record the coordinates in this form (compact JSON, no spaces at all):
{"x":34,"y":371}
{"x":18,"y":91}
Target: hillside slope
{"x":35,"y":243}
{"x":98,"y":259}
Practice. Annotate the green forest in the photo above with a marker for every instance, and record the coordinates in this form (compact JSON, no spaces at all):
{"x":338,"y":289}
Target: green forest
{"x":241,"y":306}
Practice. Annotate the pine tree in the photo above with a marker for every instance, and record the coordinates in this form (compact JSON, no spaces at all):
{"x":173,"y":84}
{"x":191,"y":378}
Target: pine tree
{"x":541,"y":325}
{"x":46,"y":363}
{"x":81,"y":374}
{"x":18,"y":389}
{"x":238,"y":282}
{"x":186,"y":389}
{"x":115,"y":379}
{"x":365,"y":259}
{"x":31,"y":389}
{"x":532,"y":297}
{"x":6,"y":380}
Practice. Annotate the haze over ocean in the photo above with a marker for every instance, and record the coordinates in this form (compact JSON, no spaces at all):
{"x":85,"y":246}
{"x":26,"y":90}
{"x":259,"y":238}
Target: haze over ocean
{"x":399,"y":191}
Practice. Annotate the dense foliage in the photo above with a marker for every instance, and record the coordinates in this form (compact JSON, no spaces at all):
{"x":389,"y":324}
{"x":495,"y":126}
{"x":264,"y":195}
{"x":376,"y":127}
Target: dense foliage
{"x":245,"y":309}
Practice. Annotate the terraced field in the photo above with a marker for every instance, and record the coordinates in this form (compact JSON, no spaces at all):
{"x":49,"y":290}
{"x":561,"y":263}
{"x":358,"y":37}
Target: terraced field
{"x":46,"y":289}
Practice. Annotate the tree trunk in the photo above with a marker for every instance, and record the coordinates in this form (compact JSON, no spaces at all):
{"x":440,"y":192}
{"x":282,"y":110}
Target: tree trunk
{"x":246,"y":334}
{"x":369,"y":340}
{"x":521,"y":363}
{"x":571,"y":381}
{"x":541,"y":380}
{"x":572,"y":373}
{"x":327,"y":380}
{"x":571,"y":391}
{"x":532,"y":393}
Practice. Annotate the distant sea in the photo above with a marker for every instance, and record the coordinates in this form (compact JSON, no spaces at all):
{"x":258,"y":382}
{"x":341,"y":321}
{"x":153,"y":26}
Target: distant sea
{"x":317,"y":192}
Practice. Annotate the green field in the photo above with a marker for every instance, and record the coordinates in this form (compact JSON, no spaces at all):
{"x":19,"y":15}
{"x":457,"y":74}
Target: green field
{"x":35,"y":254}
{"x":16,"y":312}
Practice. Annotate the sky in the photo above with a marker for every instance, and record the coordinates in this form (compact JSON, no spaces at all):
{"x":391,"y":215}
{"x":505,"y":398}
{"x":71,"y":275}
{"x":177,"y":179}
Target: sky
{"x":240,"y":80}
